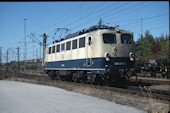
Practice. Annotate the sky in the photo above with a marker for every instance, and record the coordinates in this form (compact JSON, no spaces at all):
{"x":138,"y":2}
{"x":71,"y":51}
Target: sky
{"x":46,"y":17}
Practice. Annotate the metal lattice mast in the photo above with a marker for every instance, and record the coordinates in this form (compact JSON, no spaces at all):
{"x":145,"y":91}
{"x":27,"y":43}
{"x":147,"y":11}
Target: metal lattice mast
{"x":44,"y":46}
{"x":25,"y":53}
{"x":0,"y":56}
{"x":18,"y":65}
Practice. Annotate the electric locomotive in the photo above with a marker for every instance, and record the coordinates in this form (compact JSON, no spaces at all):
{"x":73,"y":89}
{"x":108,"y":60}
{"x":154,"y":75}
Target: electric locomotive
{"x":98,"y":54}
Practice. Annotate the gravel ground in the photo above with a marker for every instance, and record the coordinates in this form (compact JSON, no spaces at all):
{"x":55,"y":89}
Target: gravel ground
{"x":19,"y":97}
{"x":160,"y":87}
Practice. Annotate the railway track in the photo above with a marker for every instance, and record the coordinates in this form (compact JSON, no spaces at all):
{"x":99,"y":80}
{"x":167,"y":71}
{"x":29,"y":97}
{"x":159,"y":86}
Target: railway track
{"x":132,"y":90}
{"x":158,"y":94}
{"x":151,"y":80}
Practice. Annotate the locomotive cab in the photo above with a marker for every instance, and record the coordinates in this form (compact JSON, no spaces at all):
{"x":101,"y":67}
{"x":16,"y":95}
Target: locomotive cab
{"x":118,"y":51}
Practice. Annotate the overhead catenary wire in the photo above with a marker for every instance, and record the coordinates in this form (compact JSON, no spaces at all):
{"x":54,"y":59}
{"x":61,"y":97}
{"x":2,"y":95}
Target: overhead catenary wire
{"x":158,"y":27}
{"x":89,"y":10}
{"x":60,"y":18}
{"x":135,"y":5}
{"x":124,"y":10}
{"x":110,"y":10}
{"x":152,"y":28}
{"x":96,"y":6}
{"x":120,"y":11}
{"x":127,"y":11}
{"x":84,"y":16}
{"x":50,"y":24}
{"x":146,"y":18}
{"x":155,"y":16}
{"x":104,"y":15}
{"x":97,"y":11}
{"x":149,"y":23}
{"x":88,"y":21}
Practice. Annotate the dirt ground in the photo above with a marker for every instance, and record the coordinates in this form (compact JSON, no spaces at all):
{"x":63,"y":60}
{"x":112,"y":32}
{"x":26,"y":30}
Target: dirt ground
{"x":160,"y":87}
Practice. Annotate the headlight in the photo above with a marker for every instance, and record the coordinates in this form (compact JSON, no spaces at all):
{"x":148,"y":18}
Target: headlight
{"x":132,"y":59}
{"x":107,"y":56}
{"x":131,"y":56}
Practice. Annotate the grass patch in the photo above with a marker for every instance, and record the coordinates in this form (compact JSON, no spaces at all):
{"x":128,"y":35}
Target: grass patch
{"x":151,"y":105}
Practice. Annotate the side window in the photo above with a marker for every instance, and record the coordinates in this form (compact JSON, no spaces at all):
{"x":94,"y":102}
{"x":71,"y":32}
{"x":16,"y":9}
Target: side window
{"x":82,"y":42}
{"x":49,"y":51}
{"x":53,"y":50}
{"x":74,"y":44}
{"x":68,"y":45}
{"x":62,"y":47}
{"x":58,"y":48}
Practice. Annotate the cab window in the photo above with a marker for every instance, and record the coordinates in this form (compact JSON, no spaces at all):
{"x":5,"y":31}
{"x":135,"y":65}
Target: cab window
{"x":126,"y":39}
{"x":109,"y":38}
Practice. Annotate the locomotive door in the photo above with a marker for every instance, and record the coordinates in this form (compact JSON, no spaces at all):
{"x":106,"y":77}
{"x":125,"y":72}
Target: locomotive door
{"x":89,"y":50}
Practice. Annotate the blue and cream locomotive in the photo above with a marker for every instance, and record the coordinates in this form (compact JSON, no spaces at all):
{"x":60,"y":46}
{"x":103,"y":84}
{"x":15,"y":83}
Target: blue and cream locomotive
{"x":100,"y":53}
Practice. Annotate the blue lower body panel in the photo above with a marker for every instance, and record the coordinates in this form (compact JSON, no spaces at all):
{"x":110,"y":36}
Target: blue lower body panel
{"x":98,"y":65}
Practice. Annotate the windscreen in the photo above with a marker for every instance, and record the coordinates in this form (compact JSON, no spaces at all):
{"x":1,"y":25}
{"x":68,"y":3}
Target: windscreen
{"x":126,"y":39}
{"x":109,"y":38}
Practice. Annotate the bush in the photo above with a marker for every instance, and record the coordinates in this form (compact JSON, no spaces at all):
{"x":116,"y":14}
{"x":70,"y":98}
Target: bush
{"x":32,"y":66}
{"x":13,"y":65}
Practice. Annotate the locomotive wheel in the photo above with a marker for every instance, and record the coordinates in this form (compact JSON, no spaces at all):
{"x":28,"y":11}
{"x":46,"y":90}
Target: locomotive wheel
{"x":97,"y":80}
{"x":74,"y":77}
{"x":52,"y":75}
{"x":153,"y":74}
{"x":57,"y":75}
{"x":78,"y":76}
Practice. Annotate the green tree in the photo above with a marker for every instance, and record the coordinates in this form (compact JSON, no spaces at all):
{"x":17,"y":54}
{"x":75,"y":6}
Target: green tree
{"x":144,"y":46}
{"x":138,"y":46}
{"x":156,"y":48}
{"x":148,"y":47}
{"x":164,"y":47}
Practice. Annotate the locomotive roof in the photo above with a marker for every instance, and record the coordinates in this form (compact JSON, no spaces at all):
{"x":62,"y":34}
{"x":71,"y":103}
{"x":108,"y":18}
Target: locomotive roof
{"x":93,"y":28}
